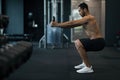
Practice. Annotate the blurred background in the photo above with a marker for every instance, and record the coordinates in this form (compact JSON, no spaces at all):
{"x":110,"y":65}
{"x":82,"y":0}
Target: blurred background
{"x":31,"y":17}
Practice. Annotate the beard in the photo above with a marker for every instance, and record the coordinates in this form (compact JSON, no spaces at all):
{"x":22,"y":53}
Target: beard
{"x":82,"y":14}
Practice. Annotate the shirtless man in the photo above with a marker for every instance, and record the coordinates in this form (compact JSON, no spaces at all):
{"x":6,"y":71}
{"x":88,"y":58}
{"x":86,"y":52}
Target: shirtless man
{"x":94,"y":42}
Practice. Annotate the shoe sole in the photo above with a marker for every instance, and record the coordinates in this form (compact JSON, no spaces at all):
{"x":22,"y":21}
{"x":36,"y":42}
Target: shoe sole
{"x":86,"y":72}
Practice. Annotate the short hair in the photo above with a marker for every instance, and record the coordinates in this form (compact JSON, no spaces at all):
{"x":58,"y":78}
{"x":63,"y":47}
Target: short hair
{"x":83,"y":5}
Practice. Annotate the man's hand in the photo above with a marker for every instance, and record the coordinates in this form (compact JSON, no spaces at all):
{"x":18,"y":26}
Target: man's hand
{"x":54,"y":24}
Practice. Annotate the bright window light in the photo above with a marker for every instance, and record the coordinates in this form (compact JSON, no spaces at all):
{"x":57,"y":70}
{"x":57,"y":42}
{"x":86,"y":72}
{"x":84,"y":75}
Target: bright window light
{"x":87,"y":0}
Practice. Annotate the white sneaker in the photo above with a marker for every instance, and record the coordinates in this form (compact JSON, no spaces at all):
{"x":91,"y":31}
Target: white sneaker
{"x":79,"y":66}
{"x":85,"y":70}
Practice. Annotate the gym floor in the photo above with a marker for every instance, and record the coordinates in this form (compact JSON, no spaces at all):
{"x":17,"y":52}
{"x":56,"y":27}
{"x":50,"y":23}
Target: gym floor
{"x":58,"y":64}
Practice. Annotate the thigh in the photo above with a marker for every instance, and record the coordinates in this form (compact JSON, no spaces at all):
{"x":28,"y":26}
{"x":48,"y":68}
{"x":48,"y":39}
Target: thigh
{"x":93,"y":45}
{"x":87,"y":44}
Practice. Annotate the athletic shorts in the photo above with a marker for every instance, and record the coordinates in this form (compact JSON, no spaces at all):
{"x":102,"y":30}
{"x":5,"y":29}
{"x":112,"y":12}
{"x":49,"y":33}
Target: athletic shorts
{"x":93,"y":44}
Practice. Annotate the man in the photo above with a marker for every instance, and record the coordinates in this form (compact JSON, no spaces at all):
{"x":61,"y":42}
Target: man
{"x":94,"y":42}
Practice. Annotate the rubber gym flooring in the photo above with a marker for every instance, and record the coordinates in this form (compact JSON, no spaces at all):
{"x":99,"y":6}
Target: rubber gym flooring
{"x":58,"y":64}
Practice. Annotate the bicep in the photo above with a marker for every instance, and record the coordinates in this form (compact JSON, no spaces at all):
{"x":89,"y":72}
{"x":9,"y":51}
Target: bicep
{"x":81,"y":21}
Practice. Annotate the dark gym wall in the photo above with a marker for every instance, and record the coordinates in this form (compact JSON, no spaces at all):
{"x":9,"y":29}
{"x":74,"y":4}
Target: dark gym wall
{"x":0,"y":6}
{"x":37,"y":8}
{"x":14,"y":9}
{"x":112,"y":21}
{"x":3,"y":6}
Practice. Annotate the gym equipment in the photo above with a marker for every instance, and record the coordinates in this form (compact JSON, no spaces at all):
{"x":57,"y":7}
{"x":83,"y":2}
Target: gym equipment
{"x":52,"y":36}
{"x":12,"y":56}
{"x":18,"y":37}
{"x":53,"y":18}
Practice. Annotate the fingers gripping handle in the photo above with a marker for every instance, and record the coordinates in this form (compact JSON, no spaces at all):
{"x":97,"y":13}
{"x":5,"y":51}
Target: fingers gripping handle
{"x":53,"y":19}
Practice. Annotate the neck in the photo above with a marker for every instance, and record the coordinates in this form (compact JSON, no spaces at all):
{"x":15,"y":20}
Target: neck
{"x":87,"y":13}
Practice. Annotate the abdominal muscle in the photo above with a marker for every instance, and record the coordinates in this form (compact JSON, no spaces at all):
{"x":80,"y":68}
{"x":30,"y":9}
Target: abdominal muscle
{"x":93,"y":34}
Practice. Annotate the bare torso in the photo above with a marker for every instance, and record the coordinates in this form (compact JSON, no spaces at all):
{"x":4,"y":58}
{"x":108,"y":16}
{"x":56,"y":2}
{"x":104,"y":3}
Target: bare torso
{"x":92,"y":29}
{"x":89,"y":23}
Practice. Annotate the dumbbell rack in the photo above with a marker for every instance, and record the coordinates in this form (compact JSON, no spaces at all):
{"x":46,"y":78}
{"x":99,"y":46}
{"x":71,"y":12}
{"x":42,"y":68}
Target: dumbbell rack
{"x":12,"y":56}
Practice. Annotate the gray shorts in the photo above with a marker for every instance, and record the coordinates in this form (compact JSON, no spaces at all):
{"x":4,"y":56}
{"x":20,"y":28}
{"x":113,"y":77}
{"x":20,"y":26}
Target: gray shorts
{"x":93,"y":44}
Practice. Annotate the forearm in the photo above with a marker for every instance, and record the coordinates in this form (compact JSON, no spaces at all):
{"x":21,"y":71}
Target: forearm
{"x":68,"y":24}
{"x":65,"y":24}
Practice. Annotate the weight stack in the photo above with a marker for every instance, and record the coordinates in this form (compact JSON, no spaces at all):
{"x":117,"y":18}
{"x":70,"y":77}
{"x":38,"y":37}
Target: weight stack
{"x":13,"y":56}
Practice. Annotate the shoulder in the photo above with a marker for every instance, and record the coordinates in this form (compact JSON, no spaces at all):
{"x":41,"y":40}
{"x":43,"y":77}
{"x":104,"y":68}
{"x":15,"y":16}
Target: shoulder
{"x":90,"y":18}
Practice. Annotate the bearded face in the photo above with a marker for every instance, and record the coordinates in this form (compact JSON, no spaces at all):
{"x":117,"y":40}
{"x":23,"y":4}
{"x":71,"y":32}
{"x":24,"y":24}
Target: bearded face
{"x":81,"y":12}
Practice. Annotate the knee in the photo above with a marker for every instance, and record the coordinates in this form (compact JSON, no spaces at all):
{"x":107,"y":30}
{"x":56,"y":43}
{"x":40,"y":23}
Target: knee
{"x":78,"y":44}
